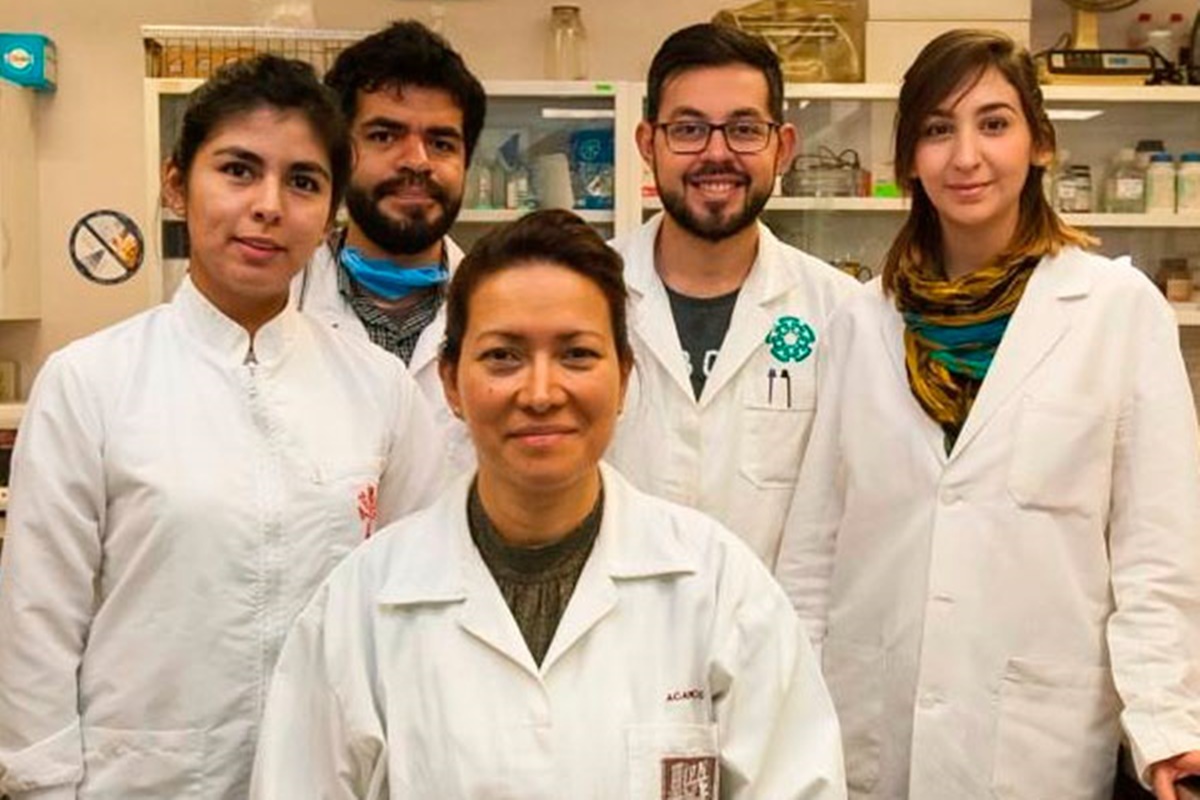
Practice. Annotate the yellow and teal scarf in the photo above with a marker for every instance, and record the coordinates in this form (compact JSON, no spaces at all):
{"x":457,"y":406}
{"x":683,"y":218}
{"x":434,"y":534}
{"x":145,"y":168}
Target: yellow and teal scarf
{"x":951,"y":331}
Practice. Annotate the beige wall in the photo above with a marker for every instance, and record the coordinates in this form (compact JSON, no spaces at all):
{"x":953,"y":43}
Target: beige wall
{"x":90,"y":133}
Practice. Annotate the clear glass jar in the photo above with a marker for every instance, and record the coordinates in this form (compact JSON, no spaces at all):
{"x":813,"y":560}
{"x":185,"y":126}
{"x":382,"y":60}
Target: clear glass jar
{"x":566,"y":45}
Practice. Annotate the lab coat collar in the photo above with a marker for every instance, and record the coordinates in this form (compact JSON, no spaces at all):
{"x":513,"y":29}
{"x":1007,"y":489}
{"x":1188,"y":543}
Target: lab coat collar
{"x":438,"y":563}
{"x":1040,"y":321}
{"x":227,"y":340}
{"x":1042,"y":318}
{"x":770,"y":278}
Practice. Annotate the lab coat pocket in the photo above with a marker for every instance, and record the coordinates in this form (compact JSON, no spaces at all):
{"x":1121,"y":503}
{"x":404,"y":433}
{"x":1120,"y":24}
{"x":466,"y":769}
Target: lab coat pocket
{"x":351,"y":502}
{"x":772,"y":444}
{"x":1057,"y":732}
{"x":125,"y":764}
{"x":1062,"y":455}
{"x":674,"y":761}
{"x":854,"y":676}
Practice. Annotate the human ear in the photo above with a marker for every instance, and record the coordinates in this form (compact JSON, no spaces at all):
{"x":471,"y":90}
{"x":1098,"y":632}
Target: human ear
{"x":645,"y":141}
{"x":449,"y":374}
{"x":174,"y":188}
{"x":789,"y":139}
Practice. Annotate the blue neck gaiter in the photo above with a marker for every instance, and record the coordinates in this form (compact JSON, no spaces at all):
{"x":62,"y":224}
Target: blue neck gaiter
{"x":383,"y":278}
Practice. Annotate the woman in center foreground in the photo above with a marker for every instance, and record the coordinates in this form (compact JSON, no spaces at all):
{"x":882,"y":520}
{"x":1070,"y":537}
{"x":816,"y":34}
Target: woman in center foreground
{"x":545,"y":630}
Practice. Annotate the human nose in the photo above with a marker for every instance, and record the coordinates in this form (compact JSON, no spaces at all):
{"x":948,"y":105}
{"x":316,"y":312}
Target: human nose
{"x":268,"y":202}
{"x":966,"y":150}
{"x":718,"y":141}
{"x":412,"y":153}
{"x":542,"y":390}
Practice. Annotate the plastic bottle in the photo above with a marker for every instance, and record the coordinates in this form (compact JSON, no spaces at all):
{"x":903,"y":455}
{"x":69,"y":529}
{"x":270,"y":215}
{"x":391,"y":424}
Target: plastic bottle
{"x":1138,"y":29}
{"x":1161,"y":38}
{"x":1126,"y":185}
{"x":1187,"y":183}
{"x":1160,"y":184}
{"x":1065,"y":187}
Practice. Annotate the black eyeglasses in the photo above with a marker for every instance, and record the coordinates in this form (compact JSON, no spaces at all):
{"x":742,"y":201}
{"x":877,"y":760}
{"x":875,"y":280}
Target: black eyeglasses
{"x":687,"y":137}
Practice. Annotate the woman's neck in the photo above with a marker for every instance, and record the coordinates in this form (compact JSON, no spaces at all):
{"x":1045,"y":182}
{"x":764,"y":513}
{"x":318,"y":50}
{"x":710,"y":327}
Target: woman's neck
{"x":966,"y":250}
{"x":527,"y":518}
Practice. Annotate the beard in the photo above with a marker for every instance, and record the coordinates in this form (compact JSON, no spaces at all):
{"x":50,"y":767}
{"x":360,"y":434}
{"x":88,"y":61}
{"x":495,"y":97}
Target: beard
{"x":416,"y":230}
{"x":712,"y":226}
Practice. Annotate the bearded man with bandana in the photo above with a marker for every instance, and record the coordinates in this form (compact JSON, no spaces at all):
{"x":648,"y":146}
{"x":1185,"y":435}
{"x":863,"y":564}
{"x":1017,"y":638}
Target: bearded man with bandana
{"x":415,"y":113}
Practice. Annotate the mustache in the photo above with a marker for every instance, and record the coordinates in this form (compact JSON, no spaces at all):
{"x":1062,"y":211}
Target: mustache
{"x":721,"y":168}
{"x":407,"y":179}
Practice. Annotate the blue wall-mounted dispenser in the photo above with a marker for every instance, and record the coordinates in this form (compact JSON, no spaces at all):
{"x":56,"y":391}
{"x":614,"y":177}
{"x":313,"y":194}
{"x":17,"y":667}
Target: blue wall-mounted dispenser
{"x":28,"y":59}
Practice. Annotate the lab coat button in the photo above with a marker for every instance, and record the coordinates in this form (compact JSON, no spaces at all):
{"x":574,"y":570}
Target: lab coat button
{"x":950,"y":497}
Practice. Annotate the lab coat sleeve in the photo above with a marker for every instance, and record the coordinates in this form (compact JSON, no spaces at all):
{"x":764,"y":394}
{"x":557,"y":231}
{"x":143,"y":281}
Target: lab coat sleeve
{"x":805,"y":562}
{"x":778,"y":730}
{"x":415,"y":467}
{"x":315,"y":741}
{"x":52,"y":555}
{"x":1154,"y":542}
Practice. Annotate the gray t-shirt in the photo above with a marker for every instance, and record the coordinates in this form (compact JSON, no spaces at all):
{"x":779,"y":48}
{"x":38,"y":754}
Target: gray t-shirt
{"x":701,"y":323}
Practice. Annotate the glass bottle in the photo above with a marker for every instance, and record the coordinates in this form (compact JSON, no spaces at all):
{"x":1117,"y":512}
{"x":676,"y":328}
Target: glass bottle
{"x":566,"y":45}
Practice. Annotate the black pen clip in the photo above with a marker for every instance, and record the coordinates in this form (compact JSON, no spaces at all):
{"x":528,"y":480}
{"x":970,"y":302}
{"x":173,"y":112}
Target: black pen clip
{"x":787,"y":382}
{"x":771,"y":386}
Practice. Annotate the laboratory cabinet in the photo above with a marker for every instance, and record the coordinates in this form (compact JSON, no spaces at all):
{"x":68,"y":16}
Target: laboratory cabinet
{"x":544,"y":144}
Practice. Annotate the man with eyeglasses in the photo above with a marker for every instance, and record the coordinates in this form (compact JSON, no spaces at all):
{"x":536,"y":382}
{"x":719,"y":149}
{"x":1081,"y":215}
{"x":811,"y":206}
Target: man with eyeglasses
{"x":727,"y":320}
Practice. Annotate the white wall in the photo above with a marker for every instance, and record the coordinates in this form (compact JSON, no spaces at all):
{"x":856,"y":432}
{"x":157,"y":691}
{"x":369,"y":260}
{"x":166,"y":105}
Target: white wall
{"x":91,"y":130}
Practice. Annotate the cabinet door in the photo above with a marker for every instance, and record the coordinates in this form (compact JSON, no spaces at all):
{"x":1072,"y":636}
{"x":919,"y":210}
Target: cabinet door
{"x":549,"y":145}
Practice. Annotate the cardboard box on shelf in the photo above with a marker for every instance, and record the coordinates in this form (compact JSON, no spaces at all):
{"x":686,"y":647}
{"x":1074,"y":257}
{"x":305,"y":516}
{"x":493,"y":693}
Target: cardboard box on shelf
{"x":893,"y":44}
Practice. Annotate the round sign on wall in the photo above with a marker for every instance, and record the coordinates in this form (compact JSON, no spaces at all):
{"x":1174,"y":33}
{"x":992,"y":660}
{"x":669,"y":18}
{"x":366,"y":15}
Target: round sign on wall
{"x":107,"y":247}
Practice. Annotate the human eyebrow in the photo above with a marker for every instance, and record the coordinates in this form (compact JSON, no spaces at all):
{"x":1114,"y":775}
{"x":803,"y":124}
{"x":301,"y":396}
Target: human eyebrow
{"x":240,"y":153}
{"x":312,"y":167}
{"x":444,"y":131}
{"x":992,"y":108}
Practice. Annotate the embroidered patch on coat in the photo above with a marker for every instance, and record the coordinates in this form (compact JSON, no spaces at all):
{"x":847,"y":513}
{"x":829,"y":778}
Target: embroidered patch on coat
{"x":689,"y":778}
{"x":792,"y":339}
{"x":368,"y":508}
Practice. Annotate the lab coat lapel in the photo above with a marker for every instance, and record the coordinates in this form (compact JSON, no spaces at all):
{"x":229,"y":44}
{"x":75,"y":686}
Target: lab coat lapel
{"x":446,"y":569}
{"x":430,"y":340}
{"x":1041,"y":320}
{"x":630,"y":546}
{"x":650,"y":308}
{"x":487,"y":617}
{"x":752,"y":319}
{"x":891,"y":328}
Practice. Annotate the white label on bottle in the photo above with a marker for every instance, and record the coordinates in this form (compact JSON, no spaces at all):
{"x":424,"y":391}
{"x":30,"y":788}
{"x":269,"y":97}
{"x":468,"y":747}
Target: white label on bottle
{"x":1130,"y":188}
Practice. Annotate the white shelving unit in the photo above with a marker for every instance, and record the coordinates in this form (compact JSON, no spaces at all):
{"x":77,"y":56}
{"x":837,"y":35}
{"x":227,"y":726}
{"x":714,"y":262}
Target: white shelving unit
{"x":533,"y":110}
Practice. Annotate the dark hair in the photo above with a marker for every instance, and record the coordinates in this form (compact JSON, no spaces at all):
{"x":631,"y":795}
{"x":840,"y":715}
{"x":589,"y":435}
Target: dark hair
{"x":956,"y":60}
{"x":554,"y":236}
{"x":406,"y":53}
{"x":265,"y":81}
{"x":713,"y":45}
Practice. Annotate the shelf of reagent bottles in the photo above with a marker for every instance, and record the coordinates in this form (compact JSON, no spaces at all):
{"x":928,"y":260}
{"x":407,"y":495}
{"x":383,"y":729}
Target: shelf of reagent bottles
{"x":490,"y":216}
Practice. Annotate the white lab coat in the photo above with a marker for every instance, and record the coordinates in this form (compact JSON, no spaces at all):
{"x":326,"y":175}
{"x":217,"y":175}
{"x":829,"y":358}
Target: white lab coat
{"x":987,"y":616}
{"x":315,"y":292}
{"x":735,"y":453}
{"x":173,"y":508}
{"x":407,"y":676}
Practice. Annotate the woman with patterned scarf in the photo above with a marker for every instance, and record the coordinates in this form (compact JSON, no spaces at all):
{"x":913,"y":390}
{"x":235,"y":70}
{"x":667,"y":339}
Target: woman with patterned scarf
{"x":995,"y":539}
